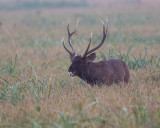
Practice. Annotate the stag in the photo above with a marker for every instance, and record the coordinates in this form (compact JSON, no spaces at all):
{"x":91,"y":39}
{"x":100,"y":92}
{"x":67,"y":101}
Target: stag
{"x":96,"y":73}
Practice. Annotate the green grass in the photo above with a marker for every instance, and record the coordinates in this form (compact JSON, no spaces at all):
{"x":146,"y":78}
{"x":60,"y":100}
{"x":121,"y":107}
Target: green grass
{"x":131,"y":60}
{"x":37,"y":91}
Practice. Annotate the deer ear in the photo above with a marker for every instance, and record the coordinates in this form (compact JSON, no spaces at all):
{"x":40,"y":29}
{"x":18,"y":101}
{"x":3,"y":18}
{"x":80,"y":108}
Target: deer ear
{"x":91,"y":57}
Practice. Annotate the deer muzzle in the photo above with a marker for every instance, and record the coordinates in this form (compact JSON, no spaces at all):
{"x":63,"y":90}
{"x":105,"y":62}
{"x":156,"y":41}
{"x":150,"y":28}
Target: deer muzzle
{"x":73,"y":73}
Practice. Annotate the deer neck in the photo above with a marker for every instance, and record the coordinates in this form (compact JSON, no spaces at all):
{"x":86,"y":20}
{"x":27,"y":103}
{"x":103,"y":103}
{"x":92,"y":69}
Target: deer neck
{"x":85,"y":73}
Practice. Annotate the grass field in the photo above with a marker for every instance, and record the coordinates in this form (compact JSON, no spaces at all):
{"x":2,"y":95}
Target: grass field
{"x":36,"y":90}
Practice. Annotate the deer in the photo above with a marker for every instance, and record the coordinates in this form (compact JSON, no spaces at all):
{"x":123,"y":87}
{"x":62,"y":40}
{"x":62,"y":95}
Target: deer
{"x":105,"y":72}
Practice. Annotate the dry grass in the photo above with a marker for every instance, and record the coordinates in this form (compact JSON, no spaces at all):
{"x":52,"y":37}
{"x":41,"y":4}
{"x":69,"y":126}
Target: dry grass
{"x":66,"y":102}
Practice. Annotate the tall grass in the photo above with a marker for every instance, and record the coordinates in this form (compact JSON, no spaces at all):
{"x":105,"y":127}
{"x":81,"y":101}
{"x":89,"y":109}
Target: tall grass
{"x":132,"y":61}
{"x":40,"y":93}
{"x":16,"y":91}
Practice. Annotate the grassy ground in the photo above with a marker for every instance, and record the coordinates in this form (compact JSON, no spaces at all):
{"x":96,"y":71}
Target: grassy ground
{"x":36,"y":89}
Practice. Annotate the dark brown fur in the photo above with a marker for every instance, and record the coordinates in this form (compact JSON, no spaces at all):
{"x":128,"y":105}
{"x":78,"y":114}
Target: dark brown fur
{"x":102,"y":72}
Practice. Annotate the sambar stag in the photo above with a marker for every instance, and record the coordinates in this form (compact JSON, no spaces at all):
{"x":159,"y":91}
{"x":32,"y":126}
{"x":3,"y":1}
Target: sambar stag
{"x":96,"y":73}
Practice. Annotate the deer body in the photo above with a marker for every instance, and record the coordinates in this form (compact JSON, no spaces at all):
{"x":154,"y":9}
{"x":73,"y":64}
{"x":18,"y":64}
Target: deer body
{"x":99,"y":73}
{"x":103,"y":72}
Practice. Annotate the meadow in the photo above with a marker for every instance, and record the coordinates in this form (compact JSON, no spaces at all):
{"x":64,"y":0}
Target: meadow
{"x":36,"y":89}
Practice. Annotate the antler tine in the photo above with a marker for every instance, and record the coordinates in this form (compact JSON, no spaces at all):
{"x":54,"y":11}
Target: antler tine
{"x":90,"y":40}
{"x":70,"y":35}
{"x":105,"y":30}
{"x":72,"y":55}
{"x":105,"y":33}
{"x":66,"y":47}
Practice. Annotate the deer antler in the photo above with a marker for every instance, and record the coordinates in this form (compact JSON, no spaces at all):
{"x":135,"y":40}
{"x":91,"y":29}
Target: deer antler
{"x":73,"y":53}
{"x":105,"y":33}
{"x":90,"y":40}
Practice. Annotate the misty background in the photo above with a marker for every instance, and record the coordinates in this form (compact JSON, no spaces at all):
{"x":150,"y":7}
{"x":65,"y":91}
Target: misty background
{"x":41,"y":4}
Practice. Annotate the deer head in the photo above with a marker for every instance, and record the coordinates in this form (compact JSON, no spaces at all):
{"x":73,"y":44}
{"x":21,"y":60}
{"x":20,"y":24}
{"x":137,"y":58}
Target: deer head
{"x":79,"y":62}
